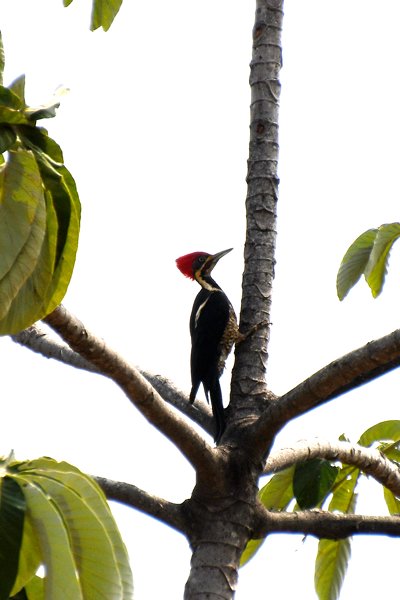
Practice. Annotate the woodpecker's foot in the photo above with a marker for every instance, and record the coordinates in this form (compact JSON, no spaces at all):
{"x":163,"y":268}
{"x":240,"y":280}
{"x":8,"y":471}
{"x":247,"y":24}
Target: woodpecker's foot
{"x":243,"y":336}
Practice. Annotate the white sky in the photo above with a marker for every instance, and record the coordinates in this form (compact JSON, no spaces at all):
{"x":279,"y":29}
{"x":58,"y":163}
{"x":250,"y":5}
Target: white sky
{"x":155,"y":132}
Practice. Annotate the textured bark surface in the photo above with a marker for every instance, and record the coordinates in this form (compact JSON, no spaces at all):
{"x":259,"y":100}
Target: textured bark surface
{"x":248,"y":379}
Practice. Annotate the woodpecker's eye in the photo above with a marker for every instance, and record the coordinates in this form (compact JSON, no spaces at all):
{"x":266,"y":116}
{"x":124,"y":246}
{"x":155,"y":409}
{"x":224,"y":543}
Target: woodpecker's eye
{"x":201,"y":259}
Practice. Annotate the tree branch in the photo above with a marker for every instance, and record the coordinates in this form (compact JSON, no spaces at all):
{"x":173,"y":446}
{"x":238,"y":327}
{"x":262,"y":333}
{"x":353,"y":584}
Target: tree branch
{"x":128,"y":494}
{"x":369,"y":460}
{"x":138,"y":390}
{"x":323,"y":524}
{"x":340,"y":376}
{"x":38,"y":340}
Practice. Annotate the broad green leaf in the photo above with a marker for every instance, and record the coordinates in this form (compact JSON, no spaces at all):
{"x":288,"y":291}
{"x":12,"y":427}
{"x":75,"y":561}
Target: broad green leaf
{"x":37,"y":289}
{"x":61,"y":582}
{"x":37,"y":140}
{"x":354,"y":262}
{"x":333,"y":555}
{"x":30,"y":557}
{"x":67,"y":2}
{"x":39,"y":231}
{"x":22,"y":230}
{"x":12,"y":513}
{"x":62,"y":188}
{"x":392,"y":503}
{"x":391,"y":452}
{"x":277,"y":494}
{"x":12,"y":116}
{"x":376,"y":268}
{"x":343,"y":496}
{"x":330,"y":567}
{"x":99,"y":552}
{"x":20,"y":195}
{"x":91,"y":547}
{"x":104,"y":13}
{"x":312,"y":482}
{"x":9,"y":98}
{"x":18,"y":88}
{"x":386,"y":430}
{"x":35,"y":589}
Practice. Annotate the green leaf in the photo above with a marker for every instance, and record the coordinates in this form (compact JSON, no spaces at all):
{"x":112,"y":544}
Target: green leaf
{"x":99,"y":554}
{"x":34,"y":590}
{"x":392,"y":503}
{"x":9,"y":98}
{"x":47,"y":520}
{"x":37,"y":140}
{"x":333,"y":555}
{"x":390,"y":452}
{"x":12,"y":513}
{"x":30,"y":557}
{"x":343,"y":496}
{"x":22,"y":230}
{"x":313,"y":481}
{"x":354,"y":262}
{"x":376,"y":268}
{"x":41,"y":208}
{"x":277,"y":494}
{"x":11,"y":116}
{"x":64,"y":196}
{"x":18,"y":88}
{"x":330,"y":567}
{"x":386,"y":430}
{"x":104,"y":13}
{"x":7,"y":138}
{"x":67,"y":2}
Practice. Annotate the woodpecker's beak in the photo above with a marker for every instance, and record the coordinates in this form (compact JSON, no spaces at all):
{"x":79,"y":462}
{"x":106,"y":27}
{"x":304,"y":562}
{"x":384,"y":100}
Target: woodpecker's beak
{"x":214,"y":258}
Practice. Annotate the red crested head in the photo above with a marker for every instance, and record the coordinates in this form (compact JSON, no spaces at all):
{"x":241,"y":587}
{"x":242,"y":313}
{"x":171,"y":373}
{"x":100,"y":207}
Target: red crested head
{"x":198,"y":265}
{"x":187,"y":263}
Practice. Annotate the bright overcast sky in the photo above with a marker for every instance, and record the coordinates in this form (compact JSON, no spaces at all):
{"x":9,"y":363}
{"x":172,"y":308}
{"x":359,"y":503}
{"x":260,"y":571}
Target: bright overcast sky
{"x":155,"y":132}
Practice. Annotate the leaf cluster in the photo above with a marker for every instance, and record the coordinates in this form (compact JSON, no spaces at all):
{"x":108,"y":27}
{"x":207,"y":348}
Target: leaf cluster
{"x":318,"y":484}
{"x":39,"y":213}
{"x":54,"y":517}
{"x":368,"y":255}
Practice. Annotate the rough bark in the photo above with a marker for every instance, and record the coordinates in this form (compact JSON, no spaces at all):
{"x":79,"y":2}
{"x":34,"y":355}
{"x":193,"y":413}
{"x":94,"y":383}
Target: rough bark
{"x":248,"y":391}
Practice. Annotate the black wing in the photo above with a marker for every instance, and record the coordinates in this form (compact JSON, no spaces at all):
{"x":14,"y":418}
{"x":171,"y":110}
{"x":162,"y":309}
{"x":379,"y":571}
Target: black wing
{"x":209,"y":318}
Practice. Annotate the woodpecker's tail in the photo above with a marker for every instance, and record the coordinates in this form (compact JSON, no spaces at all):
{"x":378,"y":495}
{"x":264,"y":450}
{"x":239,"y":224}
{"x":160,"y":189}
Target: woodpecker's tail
{"x":218,"y":410}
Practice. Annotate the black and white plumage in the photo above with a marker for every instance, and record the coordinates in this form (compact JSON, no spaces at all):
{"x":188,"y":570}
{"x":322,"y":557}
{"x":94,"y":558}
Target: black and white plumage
{"x":213,"y":330}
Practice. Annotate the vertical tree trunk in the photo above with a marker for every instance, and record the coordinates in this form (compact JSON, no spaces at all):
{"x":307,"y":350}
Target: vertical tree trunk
{"x":248,"y":380}
{"x":221,"y":528}
{"x":221,"y":516}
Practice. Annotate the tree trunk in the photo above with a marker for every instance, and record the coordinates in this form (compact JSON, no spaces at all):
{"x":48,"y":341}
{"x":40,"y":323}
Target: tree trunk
{"x":218,"y":539}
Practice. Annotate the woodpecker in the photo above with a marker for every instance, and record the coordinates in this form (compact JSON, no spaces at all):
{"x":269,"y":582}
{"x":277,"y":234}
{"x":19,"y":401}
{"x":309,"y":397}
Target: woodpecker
{"x":213,"y":330}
